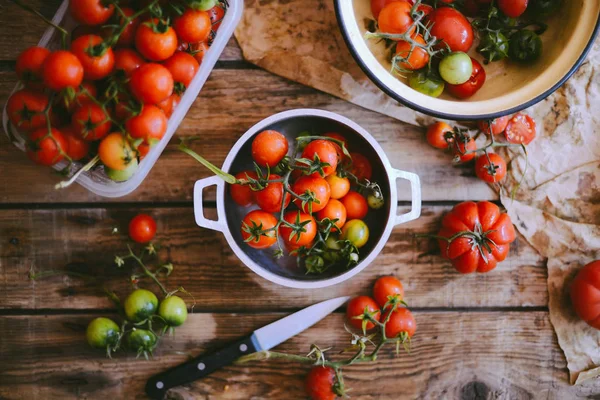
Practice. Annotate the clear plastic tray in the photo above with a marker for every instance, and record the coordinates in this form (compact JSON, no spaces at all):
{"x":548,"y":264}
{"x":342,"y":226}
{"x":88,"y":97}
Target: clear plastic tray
{"x":96,"y":181}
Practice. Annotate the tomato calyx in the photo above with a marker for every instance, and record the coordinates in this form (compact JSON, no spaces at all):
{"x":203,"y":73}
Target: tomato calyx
{"x":478,"y":238}
{"x":256,"y":231}
{"x":158,"y":25}
{"x":310,"y":167}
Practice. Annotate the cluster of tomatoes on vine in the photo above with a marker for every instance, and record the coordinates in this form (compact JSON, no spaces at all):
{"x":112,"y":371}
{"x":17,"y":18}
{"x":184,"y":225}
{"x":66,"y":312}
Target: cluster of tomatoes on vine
{"x":430,"y":42}
{"x":518,"y":131}
{"x":305,"y":200}
{"x":142,"y":313}
{"x":108,"y":95}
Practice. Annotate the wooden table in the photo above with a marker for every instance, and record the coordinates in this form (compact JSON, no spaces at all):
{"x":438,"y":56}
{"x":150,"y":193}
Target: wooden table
{"x":479,"y":336}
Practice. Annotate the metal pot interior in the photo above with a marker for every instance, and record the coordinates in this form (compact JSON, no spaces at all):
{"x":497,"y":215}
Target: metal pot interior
{"x":377,"y":220}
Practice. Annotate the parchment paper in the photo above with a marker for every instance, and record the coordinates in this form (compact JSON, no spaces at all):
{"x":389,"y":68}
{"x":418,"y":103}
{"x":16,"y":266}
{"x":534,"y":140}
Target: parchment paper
{"x":557,"y":208}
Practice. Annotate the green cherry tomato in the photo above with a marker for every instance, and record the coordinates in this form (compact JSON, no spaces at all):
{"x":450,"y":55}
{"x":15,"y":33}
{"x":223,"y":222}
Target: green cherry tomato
{"x":525,"y":46}
{"x":203,"y":5}
{"x":173,"y":310}
{"x":456,"y":68}
{"x":142,"y":340}
{"x":332,"y":242}
{"x":357,"y":232}
{"x":140,"y":305}
{"x":102,"y":332}
{"x":120,"y":176}
{"x":543,"y":8}
{"x":493,"y":46}
{"x":426,"y":83}
{"x":375,"y":201}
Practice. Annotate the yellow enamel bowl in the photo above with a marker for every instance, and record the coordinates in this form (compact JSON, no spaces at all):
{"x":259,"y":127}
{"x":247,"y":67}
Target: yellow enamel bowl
{"x":509,"y":86}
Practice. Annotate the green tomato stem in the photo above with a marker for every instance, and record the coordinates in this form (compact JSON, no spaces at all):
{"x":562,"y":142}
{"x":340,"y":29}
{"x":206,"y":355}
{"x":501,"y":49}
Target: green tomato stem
{"x":228,"y":178}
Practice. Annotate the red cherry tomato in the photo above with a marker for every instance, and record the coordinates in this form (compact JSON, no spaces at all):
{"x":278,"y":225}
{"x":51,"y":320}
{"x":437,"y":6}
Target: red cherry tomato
{"x":470,"y":87}
{"x":193,"y":26}
{"x":462,"y":149}
{"x":62,"y":70}
{"x":415,"y":59}
{"x":270,"y":198}
{"x":497,"y":126}
{"x":356,"y":205}
{"x":216,"y":15}
{"x":90,"y":121}
{"x":29,"y":65}
{"x":262,"y":220}
{"x":520,"y":129}
{"x":513,"y":8}
{"x":357,"y":306}
{"x":439,"y":135}
{"x":168,"y":105}
{"x":361,"y":167}
{"x":183,"y":68}
{"x":320,"y":383}
{"x":243,"y":194}
{"x":199,"y":50}
{"x":294,"y":239}
{"x":585,"y":292}
{"x":77,"y":148}
{"x":151,"y":83}
{"x":127,"y":60}
{"x":325,"y":151}
{"x":338,"y":148}
{"x":452,"y":27}
{"x":96,"y":66}
{"x":490,"y":168}
{"x":46,"y":149}
{"x":395,"y":17}
{"x":25,"y":109}
{"x":269,"y":148}
{"x":317,"y":187}
{"x":339,"y":187}
{"x":91,"y":12}
{"x":150,"y":124}
{"x":142,"y":228}
{"x":378,"y":5}
{"x":155,"y":40}
{"x":401,"y":322}
{"x":387,"y":288}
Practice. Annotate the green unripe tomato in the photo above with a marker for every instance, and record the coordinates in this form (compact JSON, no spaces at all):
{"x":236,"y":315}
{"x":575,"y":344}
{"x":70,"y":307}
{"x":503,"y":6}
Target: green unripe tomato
{"x":102,"y":332}
{"x":525,"y":46}
{"x":357,"y":232}
{"x":456,"y":68}
{"x":140,"y":305}
{"x":141,"y":340}
{"x":173,"y":310}
{"x":426,"y":83}
{"x":203,"y":5}
{"x":121,"y":176}
{"x":375,"y":200}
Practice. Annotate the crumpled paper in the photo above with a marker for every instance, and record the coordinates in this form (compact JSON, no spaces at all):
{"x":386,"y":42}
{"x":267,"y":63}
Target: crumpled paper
{"x":557,"y":208}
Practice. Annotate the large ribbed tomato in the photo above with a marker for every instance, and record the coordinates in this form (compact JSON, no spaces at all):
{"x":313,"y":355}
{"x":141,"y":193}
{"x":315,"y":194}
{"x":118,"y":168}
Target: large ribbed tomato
{"x":479,"y":236}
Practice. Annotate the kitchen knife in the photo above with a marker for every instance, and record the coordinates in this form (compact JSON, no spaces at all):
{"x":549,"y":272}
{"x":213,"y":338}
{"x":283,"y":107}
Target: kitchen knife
{"x":262,"y":339}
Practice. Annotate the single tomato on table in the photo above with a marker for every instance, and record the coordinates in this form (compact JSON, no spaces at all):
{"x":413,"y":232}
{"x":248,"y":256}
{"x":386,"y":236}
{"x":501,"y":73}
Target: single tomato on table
{"x":320,"y":383}
{"x":490,"y":168}
{"x":585,"y":294}
{"x":142,"y":228}
{"x":439,"y":135}
{"x":386,"y":290}
{"x":521,"y":129}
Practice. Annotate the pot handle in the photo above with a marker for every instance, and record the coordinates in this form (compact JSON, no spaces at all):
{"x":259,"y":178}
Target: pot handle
{"x":201,"y":220}
{"x":415,"y":188}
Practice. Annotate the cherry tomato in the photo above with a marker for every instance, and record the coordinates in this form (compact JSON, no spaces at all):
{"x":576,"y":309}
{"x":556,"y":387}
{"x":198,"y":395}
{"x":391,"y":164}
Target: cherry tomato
{"x":338,"y":148}
{"x":151,"y":83}
{"x":378,"y":5}
{"x":361,"y":167}
{"x":320,"y":383}
{"x":98,"y":61}
{"x":193,"y":26}
{"x":395,"y":18}
{"x":216,"y":15}
{"x":269,"y":199}
{"x":102,"y":333}
{"x":456,"y":68}
{"x":143,"y":150}
{"x":150,"y":124}
{"x":490,"y":168}
{"x":513,"y":8}
{"x":295,"y":238}
{"x":116,"y":152}
{"x":127,"y":60}
{"x":142,"y":341}
{"x":492,"y":230}
{"x":173,"y":310}
{"x":316,"y":187}
{"x":199,"y":50}
{"x":462,"y":149}
{"x":356,"y":205}
{"x":357,"y":232}
{"x":155,"y":40}
{"x":243,"y":194}
{"x":127,"y":37}
{"x":472,"y":86}
{"x":61,"y":70}
{"x":427,"y":82}
{"x":439,"y":135}
{"x":29,"y":65}
{"x":269,"y":148}
{"x":450,"y":26}
{"x":141,"y":304}
{"x":168,"y":105}
{"x":520,"y":129}
{"x":387,"y":288}
{"x":262,"y":220}
{"x":45,"y":149}
{"x":357,"y":306}
{"x":91,"y":12}
{"x":339,"y":187}
{"x":415,"y":59}
{"x":334,"y":210}
{"x":126,"y":174}
{"x":401,"y":321}
{"x":91,"y":121}
{"x":326,"y":152}
{"x":183,"y":68}
{"x":77,"y":148}
{"x":497,"y":126}
{"x":585,"y":293}
{"x":25,"y":109}
{"x":142,"y":228}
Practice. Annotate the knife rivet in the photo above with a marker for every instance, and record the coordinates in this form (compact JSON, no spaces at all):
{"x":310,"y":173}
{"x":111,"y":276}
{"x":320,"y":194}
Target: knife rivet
{"x":243,"y":347}
{"x":201,"y":366}
{"x":160,"y":385}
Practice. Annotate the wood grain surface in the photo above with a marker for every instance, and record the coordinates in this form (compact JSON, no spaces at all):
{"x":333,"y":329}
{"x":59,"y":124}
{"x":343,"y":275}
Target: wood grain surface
{"x":479,"y":336}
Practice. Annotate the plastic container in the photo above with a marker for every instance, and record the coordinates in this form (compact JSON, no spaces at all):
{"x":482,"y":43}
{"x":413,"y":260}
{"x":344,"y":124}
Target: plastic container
{"x":96,"y":181}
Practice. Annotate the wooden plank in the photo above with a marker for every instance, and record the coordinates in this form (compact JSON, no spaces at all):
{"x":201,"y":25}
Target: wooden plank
{"x":454,"y":355}
{"x":230,"y":103}
{"x":20,"y":29}
{"x":80,"y":240}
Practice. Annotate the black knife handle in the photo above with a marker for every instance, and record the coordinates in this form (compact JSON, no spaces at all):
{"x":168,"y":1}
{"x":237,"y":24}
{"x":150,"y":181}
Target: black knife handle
{"x":199,"y":367}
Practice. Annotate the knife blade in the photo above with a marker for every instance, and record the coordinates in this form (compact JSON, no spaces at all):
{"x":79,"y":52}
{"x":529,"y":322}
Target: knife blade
{"x":261,"y":339}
